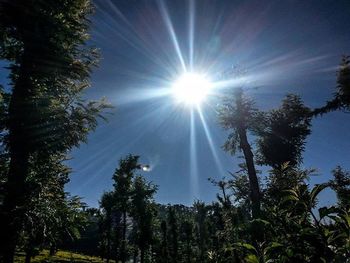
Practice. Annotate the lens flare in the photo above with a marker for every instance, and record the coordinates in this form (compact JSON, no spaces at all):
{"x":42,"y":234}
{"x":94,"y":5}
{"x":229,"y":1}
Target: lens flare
{"x":146,"y":168}
{"x":191,"y":88}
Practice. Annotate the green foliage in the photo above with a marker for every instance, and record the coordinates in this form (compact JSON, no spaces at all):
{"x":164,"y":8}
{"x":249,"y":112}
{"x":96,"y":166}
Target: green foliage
{"x":236,"y":112}
{"x":130,"y":200}
{"x":283,"y":178}
{"x":143,"y":213}
{"x":43,"y":115}
{"x":283,"y":133}
{"x":60,"y":257}
{"x":45,"y":42}
{"x":341,"y":97}
{"x":341,"y":185}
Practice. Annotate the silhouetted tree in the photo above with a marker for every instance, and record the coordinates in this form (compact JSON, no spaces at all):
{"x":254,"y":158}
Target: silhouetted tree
{"x":44,"y":41}
{"x":187,"y":238}
{"x":201,"y":229}
{"x":143,"y":213}
{"x":341,"y":97}
{"x":107,"y":204}
{"x":237,"y":114}
{"x":281,"y":179}
{"x":283,"y":133}
{"x":164,"y":253}
{"x":341,"y":185}
{"x":123,"y":178}
{"x":173,"y":234}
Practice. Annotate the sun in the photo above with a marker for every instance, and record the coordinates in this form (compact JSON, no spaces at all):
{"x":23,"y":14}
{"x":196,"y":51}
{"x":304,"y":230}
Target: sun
{"x":191,"y":88}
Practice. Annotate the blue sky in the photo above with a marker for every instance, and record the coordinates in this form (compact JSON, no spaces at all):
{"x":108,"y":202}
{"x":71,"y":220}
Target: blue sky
{"x":281,"y":46}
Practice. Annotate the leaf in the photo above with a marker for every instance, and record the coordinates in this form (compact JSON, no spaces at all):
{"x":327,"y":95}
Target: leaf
{"x":275,"y":245}
{"x":251,"y":259}
{"x":272,"y":248}
{"x":334,"y":238}
{"x":285,"y":166}
{"x":315,"y":191}
{"x":290,"y":198}
{"x":289,"y":252}
{"x":247,"y":246}
{"x":291,"y":192}
{"x":260,"y":221}
{"x":346,"y":220}
{"x":326,"y":211}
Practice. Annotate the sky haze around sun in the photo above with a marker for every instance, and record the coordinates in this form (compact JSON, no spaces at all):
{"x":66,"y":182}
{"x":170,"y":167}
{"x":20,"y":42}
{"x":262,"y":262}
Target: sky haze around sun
{"x":270,"y":48}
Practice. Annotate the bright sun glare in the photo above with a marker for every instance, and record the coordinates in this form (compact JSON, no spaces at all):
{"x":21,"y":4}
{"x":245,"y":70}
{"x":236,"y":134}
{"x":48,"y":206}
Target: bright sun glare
{"x":191,"y":88}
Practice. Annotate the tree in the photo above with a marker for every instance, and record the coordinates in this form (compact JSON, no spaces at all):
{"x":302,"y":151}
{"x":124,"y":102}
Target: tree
{"x":46,"y":180}
{"x":237,"y":114}
{"x":51,"y":220}
{"x":173,"y":234}
{"x":201,"y":229}
{"x":123,"y":178}
{"x":143,"y":212}
{"x":341,"y":185}
{"x":164,"y":254}
{"x":44,"y":41}
{"x":187,"y":237}
{"x":51,"y":214}
{"x":282,"y":136}
{"x":341,"y":97}
{"x":107,"y":204}
{"x":282,"y":179}
{"x":4,"y":158}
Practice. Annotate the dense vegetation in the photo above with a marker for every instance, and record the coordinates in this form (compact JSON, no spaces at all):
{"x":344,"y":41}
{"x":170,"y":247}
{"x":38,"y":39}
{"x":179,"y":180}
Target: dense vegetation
{"x":43,"y":116}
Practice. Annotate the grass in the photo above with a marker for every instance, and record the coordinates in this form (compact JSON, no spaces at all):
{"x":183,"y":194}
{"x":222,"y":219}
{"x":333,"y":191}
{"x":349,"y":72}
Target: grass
{"x":59,"y":257}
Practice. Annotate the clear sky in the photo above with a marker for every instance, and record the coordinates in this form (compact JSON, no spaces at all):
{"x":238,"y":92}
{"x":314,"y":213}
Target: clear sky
{"x":280,"y":46}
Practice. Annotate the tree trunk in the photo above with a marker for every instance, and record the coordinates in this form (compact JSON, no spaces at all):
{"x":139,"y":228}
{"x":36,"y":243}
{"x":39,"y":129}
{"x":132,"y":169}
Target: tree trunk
{"x":135,"y":255}
{"x":28,"y":256}
{"x":15,"y":192}
{"x":123,"y":248}
{"x":164,"y":246}
{"x":253,"y":179}
{"x":13,"y":205}
{"x":142,"y":255}
{"x":108,"y":249}
{"x":53,"y":249}
{"x":188,"y":252}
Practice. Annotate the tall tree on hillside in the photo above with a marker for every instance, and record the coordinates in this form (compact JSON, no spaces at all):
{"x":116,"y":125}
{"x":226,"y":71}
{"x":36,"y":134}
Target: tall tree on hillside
{"x":51,"y":214}
{"x":164,"y":253}
{"x":4,"y":159}
{"x":187,"y":238}
{"x":201,"y":229}
{"x":107,"y":204}
{"x":341,"y":97}
{"x":44,"y":41}
{"x":283,"y":132}
{"x":46,"y":180}
{"x":123,"y":178}
{"x":173,"y":235}
{"x":237,"y":114}
{"x":143,"y":213}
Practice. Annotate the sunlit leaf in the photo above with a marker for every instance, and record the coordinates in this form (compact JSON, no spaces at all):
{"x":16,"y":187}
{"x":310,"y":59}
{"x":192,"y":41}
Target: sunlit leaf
{"x":251,"y":259}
